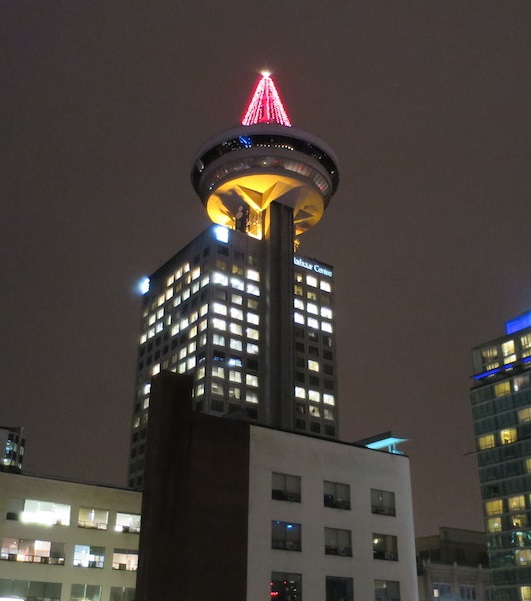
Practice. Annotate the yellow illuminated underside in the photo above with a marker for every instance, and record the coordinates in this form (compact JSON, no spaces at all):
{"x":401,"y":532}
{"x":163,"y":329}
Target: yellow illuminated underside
{"x":256,"y":193}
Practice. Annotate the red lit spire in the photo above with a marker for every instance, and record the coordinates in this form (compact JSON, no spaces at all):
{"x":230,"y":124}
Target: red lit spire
{"x":266,"y":106}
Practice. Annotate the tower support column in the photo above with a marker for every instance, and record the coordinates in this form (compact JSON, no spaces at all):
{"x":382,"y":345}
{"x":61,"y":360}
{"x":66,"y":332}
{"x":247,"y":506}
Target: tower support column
{"x":278,"y":277}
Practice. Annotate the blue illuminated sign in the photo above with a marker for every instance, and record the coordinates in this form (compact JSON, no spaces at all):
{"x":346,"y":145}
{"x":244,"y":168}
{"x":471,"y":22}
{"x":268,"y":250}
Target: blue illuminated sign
{"x":313,"y":266}
{"x":518,"y":323}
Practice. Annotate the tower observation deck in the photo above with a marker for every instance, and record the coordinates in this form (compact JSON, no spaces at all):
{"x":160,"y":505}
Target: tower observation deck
{"x":241,"y":171}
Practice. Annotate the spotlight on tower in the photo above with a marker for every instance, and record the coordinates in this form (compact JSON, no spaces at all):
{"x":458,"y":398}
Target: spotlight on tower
{"x":239,"y":172}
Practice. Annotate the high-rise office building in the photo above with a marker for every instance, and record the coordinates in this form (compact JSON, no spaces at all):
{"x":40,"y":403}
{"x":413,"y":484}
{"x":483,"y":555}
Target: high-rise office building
{"x":239,"y":307}
{"x":11,"y":449}
{"x":501,"y":404}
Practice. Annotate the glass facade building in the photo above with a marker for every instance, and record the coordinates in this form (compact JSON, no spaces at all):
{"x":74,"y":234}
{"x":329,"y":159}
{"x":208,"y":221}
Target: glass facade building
{"x":501,"y":405}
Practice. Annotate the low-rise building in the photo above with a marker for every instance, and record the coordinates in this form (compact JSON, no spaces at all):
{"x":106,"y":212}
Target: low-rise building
{"x":67,"y":541}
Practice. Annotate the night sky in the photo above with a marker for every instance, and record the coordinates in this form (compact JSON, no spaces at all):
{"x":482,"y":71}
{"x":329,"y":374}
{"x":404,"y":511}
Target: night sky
{"x":103,"y":104}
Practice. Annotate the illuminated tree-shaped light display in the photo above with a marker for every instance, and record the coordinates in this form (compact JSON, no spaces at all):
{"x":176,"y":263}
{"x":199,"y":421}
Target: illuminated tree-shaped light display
{"x":265,"y":105}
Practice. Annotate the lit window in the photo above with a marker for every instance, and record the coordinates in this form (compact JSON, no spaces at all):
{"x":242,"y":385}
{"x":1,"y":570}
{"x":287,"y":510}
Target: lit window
{"x":182,"y":353}
{"x":203,"y":325}
{"x":236,"y":328}
{"x":508,"y":351}
{"x":314,"y":411}
{"x":177,"y":301}
{"x":219,"y":308}
{"x":203,"y":310}
{"x":300,"y":392}
{"x":86,"y":556}
{"x":170,"y":281}
{"x":298,"y":318}
{"x":234,"y":392}
{"x":178,"y":273}
{"x":494,"y":524}
{"x":195,"y":287}
{"x":312,"y":308}
{"x":235,"y":376}
{"x":313,"y":365}
{"x":205,"y":281}
{"x":236,"y":313}
{"x":494,"y":507}
{"x":190,"y":363}
{"x":490,"y":358}
{"x":158,"y":327}
{"x":220,"y":278}
{"x":528,"y":465}
{"x":298,"y":304}
{"x":298,"y":290}
{"x":184,"y":324}
{"x":326,"y":312}
{"x":519,"y":520}
{"x":155,"y":370}
{"x":200,"y":373}
{"x":221,"y":233}
{"x":193,"y":316}
{"x":160,"y":313}
{"x":124,"y":559}
{"x":329,"y":399}
{"x":253,"y":289}
{"x":186,"y":267}
{"x":329,"y":414}
{"x":161,"y":300}
{"x":525,"y":593}
{"x":192,"y":347}
{"x":218,"y":339}
{"x":486,"y":442}
{"x":311,"y":281}
{"x":32,"y":511}
{"x":237,"y":284}
{"x":196,"y":273}
{"x":252,"y":349}
{"x":251,"y":396}
{"x":253,"y":275}
{"x":508,"y":435}
{"x":235,"y":344}
{"x":152,"y":318}
{"x":253,"y":318}
{"x":516,"y":503}
{"x":502,"y":389}
{"x":525,"y":341}
{"x":218,"y":372}
{"x":151,"y":333}
{"x":186,"y":294}
{"x":524,"y":415}
{"x":313,"y":323}
{"x":326,"y":327}
{"x":181,"y":368}
{"x":192,"y":332}
{"x":251,"y":380}
{"x":252,"y":334}
{"x":143,"y":338}
{"x":237,"y":299}
{"x":219,"y":324}
{"x":325,"y":286}
{"x":217,"y":387}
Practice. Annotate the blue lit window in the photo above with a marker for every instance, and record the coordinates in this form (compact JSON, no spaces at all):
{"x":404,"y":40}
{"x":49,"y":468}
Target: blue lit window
{"x":221,"y":233}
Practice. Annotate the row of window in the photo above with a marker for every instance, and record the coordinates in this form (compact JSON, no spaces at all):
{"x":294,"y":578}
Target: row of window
{"x":52,"y":553}
{"x":287,"y":536}
{"x":503,"y":437}
{"x":286,"y":586}
{"x":34,"y":590}
{"x":506,"y":352}
{"x":287,"y":487}
{"x":443,"y":591}
{"x":48,"y":513}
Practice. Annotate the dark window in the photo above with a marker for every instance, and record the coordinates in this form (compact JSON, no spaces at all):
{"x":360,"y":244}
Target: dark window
{"x":339,"y":589}
{"x":338,"y":542}
{"x":383,"y":501}
{"x":336,"y":495}
{"x":385,"y":546}
{"x":286,"y":586}
{"x":286,"y":487}
{"x":315,"y":427}
{"x":386,"y":590}
{"x":285,"y":535}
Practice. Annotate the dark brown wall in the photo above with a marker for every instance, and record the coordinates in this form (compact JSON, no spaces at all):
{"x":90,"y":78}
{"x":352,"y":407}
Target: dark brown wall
{"x":193,"y":542}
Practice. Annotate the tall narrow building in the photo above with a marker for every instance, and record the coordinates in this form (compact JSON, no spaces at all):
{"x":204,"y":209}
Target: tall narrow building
{"x":501,"y":404}
{"x":238,"y":307}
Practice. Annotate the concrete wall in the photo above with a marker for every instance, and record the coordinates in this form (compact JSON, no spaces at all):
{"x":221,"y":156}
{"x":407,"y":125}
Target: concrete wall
{"x":316,"y":460}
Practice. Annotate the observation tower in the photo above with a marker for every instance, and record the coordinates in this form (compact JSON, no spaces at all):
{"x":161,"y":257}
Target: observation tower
{"x":241,"y":171}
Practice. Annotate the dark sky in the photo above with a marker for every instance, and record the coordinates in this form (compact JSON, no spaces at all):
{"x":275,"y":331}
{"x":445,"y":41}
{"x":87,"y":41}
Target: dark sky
{"x":103,"y":104}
